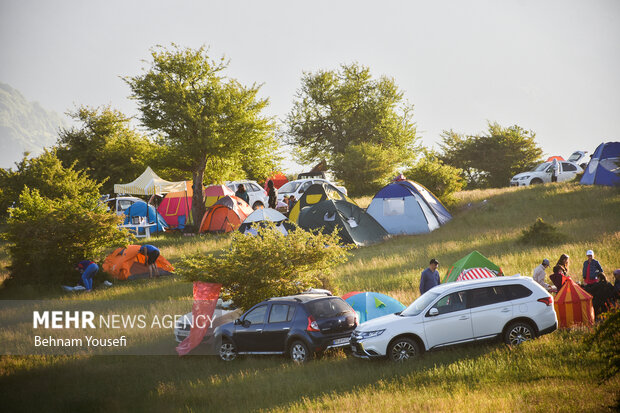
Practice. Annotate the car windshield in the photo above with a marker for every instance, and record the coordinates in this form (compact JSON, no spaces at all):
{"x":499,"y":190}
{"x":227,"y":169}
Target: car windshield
{"x":289,"y":187}
{"x":420,"y":304}
{"x":541,"y":167}
{"x":328,"y":307}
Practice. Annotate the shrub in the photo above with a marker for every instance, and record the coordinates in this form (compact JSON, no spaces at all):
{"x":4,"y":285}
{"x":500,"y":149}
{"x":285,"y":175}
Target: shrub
{"x":268,"y":265}
{"x":441,"y":179}
{"x":541,"y":233}
{"x":605,"y":341}
{"x":49,"y":236}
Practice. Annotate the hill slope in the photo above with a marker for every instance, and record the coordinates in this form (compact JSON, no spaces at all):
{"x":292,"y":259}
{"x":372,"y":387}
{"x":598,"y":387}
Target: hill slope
{"x":24,"y":126}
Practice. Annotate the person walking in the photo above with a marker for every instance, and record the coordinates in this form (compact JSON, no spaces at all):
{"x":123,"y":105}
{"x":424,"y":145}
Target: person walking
{"x":151,"y":253}
{"x":430,"y":277}
{"x":273,"y":194}
{"x":242,"y":193}
{"x":88,"y":269}
{"x":591,"y":269}
{"x":540,"y":274}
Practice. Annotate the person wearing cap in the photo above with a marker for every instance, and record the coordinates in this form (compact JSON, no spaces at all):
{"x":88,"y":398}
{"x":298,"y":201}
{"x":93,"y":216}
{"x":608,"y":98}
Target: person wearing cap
{"x":591,"y":269}
{"x":430,"y":277}
{"x":540,"y":275}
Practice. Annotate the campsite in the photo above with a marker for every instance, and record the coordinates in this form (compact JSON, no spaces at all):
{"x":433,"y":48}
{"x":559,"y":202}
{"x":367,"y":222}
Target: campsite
{"x":438,"y":381}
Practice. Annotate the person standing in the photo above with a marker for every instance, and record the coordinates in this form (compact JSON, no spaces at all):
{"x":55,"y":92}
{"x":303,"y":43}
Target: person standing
{"x":242,"y":193}
{"x":560,"y":271}
{"x":591,"y":269}
{"x":430,"y":277}
{"x":540,"y":275}
{"x":273,"y":194}
{"x":555,"y":170}
{"x":88,"y":269}
{"x":151,"y":253}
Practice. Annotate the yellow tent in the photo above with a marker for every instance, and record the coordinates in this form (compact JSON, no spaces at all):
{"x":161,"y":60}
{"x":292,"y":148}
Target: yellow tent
{"x":149,"y":183}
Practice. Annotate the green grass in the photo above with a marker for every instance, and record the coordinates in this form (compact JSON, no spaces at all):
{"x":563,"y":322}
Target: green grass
{"x":553,"y":373}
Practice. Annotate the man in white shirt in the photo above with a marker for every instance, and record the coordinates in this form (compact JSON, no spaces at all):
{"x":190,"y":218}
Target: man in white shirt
{"x":539,"y":274}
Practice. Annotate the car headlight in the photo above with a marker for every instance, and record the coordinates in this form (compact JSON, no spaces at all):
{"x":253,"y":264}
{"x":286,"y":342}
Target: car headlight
{"x":525,"y":177}
{"x":370,"y":334}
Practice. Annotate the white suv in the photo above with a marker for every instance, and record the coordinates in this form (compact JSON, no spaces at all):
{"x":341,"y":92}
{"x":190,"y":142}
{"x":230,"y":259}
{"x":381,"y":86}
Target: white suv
{"x":514,"y":308}
{"x":258,"y":196}
{"x":542,"y":174}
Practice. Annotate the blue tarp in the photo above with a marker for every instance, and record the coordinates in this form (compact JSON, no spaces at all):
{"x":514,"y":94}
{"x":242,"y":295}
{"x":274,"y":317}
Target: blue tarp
{"x":604,"y":167}
{"x":139,"y":209}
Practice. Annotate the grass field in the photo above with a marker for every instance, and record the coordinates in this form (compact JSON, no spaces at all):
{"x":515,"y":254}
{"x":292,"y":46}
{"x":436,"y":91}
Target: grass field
{"x":554,"y":373}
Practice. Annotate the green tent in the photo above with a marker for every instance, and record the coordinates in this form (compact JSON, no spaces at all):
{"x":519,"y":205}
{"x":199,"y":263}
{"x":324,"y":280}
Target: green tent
{"x":471,"y":260}
{"x":354,"y":225}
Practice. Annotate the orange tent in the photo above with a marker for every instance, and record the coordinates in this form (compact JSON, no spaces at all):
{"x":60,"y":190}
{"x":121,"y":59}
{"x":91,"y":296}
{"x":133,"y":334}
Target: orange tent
{"x":175,"y":205}
{"x":573,"y":305}
{"x":278,"y":179}
{"x":214,"y":193}
{"x":225,"y":215}
{"x":128,"y":264}
{"x":551,"y":158}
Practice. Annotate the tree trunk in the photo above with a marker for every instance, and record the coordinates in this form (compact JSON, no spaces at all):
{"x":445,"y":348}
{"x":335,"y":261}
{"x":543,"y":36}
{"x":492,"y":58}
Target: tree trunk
{"x":198,"y":201}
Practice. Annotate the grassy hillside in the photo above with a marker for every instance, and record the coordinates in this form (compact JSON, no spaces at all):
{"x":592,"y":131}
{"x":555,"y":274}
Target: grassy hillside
{"x":554,"y":373}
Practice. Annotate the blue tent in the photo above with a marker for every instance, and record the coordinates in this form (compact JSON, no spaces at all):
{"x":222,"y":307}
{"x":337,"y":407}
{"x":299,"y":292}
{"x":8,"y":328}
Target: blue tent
{"x":604,"y":167}
{"x":406,"y":207}
{"x":369,"y":305}
{"x":139,"y":209}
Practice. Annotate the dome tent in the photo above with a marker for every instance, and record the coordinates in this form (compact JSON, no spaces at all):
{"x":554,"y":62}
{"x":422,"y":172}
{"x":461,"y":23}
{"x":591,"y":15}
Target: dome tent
{"x":128,"y":264}
{"x":149,"y":213}
{"x":261,"y":217}
{"x":315,"y":194}
{"x":573,"y":305}
{"x":604,"y":167}
{"x":225,"y":215}
{"x":406,"y":207}
{"x":369,"y":305}
{"x":472,"y":266}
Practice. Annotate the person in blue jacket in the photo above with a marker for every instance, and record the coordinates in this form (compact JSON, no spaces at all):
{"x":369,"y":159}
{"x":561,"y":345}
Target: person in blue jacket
{"x":151,"y":253}
{"x":88,"y":269}
{"x":430,"y":277}
{"x":591,"y":269}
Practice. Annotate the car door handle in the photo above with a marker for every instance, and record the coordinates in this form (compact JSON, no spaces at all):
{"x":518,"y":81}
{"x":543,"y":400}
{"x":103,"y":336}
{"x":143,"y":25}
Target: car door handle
{"x":463,"y":317}
{"x":286,"y":328}
{"x":258,"y":330}
{"x":505,"y":310}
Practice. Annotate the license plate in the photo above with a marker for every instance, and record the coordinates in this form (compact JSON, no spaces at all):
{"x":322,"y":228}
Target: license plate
{"x":344,"y":340}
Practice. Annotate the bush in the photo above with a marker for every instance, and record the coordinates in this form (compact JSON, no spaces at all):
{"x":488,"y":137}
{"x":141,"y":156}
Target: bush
{"x":541,"y":233}
{"x":49,"y":235}
{"x":605,"y":341}
{"x":441,"y":179}
{"x":268,"y":265}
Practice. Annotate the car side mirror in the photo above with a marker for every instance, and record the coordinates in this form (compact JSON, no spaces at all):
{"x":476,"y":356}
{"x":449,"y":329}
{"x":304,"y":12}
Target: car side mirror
{"x":238,"y":322}
{"x":433,"y":312}
{"x":246,"y":323}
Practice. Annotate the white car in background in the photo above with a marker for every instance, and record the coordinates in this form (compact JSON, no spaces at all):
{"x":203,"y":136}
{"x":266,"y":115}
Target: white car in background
{"x":580,"y":158}
{"x":258,"y":196}
{"x":514,"y":308}
{"x":120,"y":204}
{"x":298,"y":187}
{"x":542,"y":174}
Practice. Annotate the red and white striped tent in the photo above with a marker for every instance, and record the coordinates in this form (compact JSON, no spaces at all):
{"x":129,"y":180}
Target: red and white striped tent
{"x":573,"y":305}
{"x":476,"y":274}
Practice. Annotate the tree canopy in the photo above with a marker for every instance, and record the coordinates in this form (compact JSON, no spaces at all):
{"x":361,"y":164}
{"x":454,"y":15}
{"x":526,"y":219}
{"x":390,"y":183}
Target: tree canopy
{"x":490,"y":160}
{"x":105,"y":146}
{"x":207,"y":121}
{"x":335,"y":110}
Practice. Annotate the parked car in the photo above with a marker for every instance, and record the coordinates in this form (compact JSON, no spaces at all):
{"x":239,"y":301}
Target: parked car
{"x":542,"y":174}
{"x":297,"y":326}
{"x":299,"y":186}
{"x":258,"y":196}
{"x":514,"y":308}
{"x":121,"y":203}
{"x":580,"y":158}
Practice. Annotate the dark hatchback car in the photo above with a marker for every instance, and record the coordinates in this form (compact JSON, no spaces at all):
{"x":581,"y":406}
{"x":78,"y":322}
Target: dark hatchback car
{"x":298,"y":325}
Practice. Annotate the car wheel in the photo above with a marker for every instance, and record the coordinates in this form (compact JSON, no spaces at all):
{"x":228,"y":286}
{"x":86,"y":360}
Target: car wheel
{"x":299,"y":352}
{"x":228,"y":352}
{"x":518,"y":332}
{"x":257,"y":205}
{"x":403,"y":349}
{"x":536,"y":181}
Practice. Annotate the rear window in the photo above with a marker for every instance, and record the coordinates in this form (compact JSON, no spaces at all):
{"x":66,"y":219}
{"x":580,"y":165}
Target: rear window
{"x":328,"y":307}
{"x":518,"y":291}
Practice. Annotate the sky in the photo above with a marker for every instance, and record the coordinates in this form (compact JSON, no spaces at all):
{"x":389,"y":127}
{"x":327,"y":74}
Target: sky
{"x":548,"y":66}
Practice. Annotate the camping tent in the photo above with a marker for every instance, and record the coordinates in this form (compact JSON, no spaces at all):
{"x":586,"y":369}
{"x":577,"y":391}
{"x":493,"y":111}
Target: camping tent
{"x":573,"y":305}
{"x":214,"y":193}
{"x":128,"y":264}
{"x":315,"y":194}
{"x":148,"y":213}
{"x":604,"y":167}
{"x":149,"y":183}
{"x":176,"y":205}
{"x":261,"y":217}
{"x":278,"y":179}
{"x":225,"y":215}
{"x":556,"y":157}
{"x":471,"y":261}
{"x":369,"y":305}
{"x":354,"y":225}
{"x":406,"y":207}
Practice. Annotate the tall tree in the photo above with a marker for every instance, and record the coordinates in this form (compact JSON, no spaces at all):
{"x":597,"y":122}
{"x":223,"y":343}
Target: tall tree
{"x":105,"y":146}
{"x":336,"y":109}
{"x":204,"y":118}
{"x":490,"y":160}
